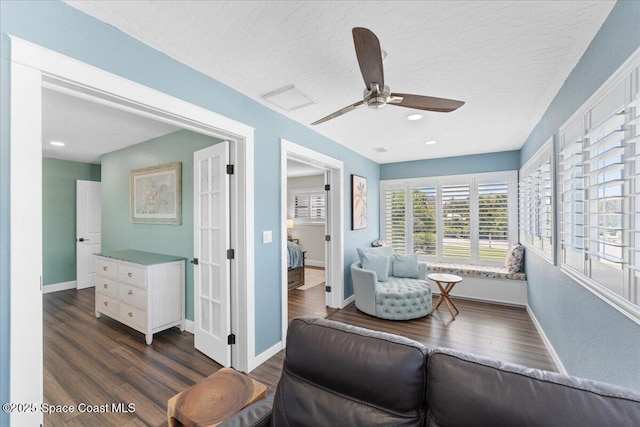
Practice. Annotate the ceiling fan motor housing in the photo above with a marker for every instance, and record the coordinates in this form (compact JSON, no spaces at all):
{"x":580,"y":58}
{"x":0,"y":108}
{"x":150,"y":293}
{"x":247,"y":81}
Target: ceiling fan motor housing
{"x":375,"y":98}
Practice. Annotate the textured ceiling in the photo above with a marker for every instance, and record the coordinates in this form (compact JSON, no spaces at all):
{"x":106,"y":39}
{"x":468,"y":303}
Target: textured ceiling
{"x":506,"y":59}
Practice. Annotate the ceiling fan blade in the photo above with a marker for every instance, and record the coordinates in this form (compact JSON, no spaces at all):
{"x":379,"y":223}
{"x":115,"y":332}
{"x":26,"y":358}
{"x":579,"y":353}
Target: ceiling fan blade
{"x":338,"y":113}
{"x":427,"y":103}
{"x":369,"y":56}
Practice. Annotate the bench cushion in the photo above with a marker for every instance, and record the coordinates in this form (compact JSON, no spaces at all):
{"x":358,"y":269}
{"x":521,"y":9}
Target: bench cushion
{"x":483,"y":271}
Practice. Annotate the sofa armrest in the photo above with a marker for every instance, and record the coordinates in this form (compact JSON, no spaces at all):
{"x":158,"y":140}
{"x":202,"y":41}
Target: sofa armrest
{"x":255,"y":415}
{"x":365,"y":283}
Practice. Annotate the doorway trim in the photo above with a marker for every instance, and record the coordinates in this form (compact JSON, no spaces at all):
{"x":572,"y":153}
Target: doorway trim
{"x":33,"y":67}
{"x":335,"y":270}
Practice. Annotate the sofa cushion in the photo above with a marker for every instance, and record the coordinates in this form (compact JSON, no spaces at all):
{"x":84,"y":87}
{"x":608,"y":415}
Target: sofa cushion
{"x":406,"y":265}
{"x":494,"y":393}
{"x":374,"y":379}
{"x":380,"y":251}
{"x":377,"y":263}
{"x":483,"y":271}
{"x":515,"y":259}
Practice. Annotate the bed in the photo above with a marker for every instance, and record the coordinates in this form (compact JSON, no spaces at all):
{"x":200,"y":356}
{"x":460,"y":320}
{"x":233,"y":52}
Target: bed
{"x":295,"y":263}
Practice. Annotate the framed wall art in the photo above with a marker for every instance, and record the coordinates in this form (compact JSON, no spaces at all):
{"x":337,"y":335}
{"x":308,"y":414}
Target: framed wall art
{"x":156,"y":194}
{"x":358,"y":202}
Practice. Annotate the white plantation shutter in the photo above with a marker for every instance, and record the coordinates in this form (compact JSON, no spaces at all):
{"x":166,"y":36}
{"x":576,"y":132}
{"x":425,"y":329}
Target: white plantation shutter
{"x":535,"y":204}
{"x":317,"y":206}
{"x":599,"y":189}
{"x":395,"y":219}
{"x":466,"y":218}
{"x":309,"y":206}
{"x":493,"y":221}
{"x":456,"y":221}
{"x":425,"y":224}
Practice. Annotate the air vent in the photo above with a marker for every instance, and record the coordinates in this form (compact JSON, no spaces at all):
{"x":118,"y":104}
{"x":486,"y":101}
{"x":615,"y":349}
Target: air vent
{"x":289,"y":98}
{"x":380,"y":149}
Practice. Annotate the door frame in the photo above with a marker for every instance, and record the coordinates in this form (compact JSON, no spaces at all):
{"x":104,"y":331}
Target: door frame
{"x":335,"y":271}
{"x":33,"y":67}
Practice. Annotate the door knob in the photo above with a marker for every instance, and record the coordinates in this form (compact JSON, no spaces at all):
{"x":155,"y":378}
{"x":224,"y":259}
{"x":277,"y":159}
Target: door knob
{"x":82,"y":239}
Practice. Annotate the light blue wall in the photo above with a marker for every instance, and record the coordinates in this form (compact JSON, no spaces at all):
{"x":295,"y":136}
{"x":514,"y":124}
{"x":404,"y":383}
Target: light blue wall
{"x":591,"y":338}
{"x":61,"y":28}
{"x":119,"y":233}
{"x":59,"y":216}
{"x":477,"y":163}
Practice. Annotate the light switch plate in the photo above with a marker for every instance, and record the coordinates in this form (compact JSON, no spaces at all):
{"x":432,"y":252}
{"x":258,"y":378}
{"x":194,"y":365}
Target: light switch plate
{"x":267,"y":236}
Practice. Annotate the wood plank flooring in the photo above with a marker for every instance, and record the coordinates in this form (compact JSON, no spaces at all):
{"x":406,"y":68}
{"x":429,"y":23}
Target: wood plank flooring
{"x":100,"y":361}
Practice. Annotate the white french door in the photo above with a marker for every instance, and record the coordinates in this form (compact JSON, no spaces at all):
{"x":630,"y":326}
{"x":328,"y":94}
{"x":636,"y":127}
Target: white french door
{"x":211,"y":241}
{"x":88,"y":231}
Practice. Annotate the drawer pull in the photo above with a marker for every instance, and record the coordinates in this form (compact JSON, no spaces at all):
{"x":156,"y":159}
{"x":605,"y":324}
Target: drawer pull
{"x":130,"y":314}
{"x":106,"y":304}
{"x":130,"y":274}
{"x":106,"y":286}
{"x":104,"y":268}
{"x":130,"y":292}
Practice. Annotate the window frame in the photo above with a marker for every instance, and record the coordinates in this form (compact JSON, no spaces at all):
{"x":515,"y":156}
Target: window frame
{"x":473,"y":180}
{"x":526,"y":205}
{"x":629,"y":76}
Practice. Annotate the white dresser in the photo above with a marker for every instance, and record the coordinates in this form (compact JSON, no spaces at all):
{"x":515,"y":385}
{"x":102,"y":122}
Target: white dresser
{"x":142,"y":290}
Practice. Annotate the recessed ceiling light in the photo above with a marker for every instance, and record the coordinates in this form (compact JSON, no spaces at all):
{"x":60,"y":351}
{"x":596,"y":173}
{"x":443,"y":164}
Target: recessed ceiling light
{"x":413,"y":117}
{"x":430,"y":142}
{"x":57,"y":143}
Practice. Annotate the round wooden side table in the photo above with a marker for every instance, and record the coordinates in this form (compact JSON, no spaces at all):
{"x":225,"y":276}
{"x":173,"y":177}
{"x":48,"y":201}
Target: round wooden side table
{"x":445,"y":282}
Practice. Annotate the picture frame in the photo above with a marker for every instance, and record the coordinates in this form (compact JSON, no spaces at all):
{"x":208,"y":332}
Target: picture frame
{"x":358,"y":202}
{"x":156,"y":194}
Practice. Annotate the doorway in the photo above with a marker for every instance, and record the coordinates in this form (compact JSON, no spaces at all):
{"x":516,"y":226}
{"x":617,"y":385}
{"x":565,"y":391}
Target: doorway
{"x":33,"y":67}
{"x":330,"y":172}
{"x":306,"y":245}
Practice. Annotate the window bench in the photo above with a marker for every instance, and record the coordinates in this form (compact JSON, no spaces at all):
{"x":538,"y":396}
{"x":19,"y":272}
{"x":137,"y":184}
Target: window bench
{"x":485,"y":283}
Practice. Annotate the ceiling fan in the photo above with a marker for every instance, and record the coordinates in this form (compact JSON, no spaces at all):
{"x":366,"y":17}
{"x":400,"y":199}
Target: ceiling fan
{"x":376,"y":94}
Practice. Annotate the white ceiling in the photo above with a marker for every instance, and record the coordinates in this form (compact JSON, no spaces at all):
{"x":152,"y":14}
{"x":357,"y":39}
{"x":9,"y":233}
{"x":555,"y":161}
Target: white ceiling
{"x":297,"y":169}
{"x":506,"y":59}
{"x":89,"y":129}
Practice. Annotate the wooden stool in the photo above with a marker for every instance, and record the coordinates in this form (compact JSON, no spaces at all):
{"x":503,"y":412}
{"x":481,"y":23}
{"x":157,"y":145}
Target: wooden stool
{"x":214,"y":399}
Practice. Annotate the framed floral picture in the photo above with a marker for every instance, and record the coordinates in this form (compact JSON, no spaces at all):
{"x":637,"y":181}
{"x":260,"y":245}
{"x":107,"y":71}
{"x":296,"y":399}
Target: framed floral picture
{"x":156,"y":194}
{"x":358,"y":202}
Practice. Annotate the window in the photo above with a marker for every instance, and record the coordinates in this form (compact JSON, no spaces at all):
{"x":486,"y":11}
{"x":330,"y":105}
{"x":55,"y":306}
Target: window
{"x":308,"y":206}
{"x":535,"y":203}
{"x":470,"y":219}
{"x":599,"y":189}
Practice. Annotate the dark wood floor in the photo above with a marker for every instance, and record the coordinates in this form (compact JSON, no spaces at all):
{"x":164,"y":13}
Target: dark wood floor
{"x":98,"y":361}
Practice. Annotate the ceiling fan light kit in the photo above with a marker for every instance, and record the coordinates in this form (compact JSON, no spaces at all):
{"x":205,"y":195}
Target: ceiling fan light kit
{"x":376,"y":94}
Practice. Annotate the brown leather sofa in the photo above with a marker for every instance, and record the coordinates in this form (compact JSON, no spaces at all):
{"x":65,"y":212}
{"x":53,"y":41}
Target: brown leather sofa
{"x":340,"y":375}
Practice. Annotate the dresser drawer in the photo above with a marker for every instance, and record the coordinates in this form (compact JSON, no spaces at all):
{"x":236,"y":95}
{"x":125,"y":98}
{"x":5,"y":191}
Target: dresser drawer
{"x":133,"y":296}
{"x":133,"y":315}
{"x":106,"y":304}
{"x":106,"y":268}
{"x":106,"y":286}
{"x":132,"y":275}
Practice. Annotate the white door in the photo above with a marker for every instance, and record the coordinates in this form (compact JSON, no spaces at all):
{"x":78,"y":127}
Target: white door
{"x":88,"y":230}
{"x":211,"y":241}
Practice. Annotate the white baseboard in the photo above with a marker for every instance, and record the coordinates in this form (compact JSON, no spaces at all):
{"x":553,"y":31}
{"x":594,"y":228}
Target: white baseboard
{"x":62,"y":286}
{"x":189,"y":326}
{"x":547,"y":343}
{"x":348,"y":301}
{"x":265,"y":355}
{"x":313,"y":263}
